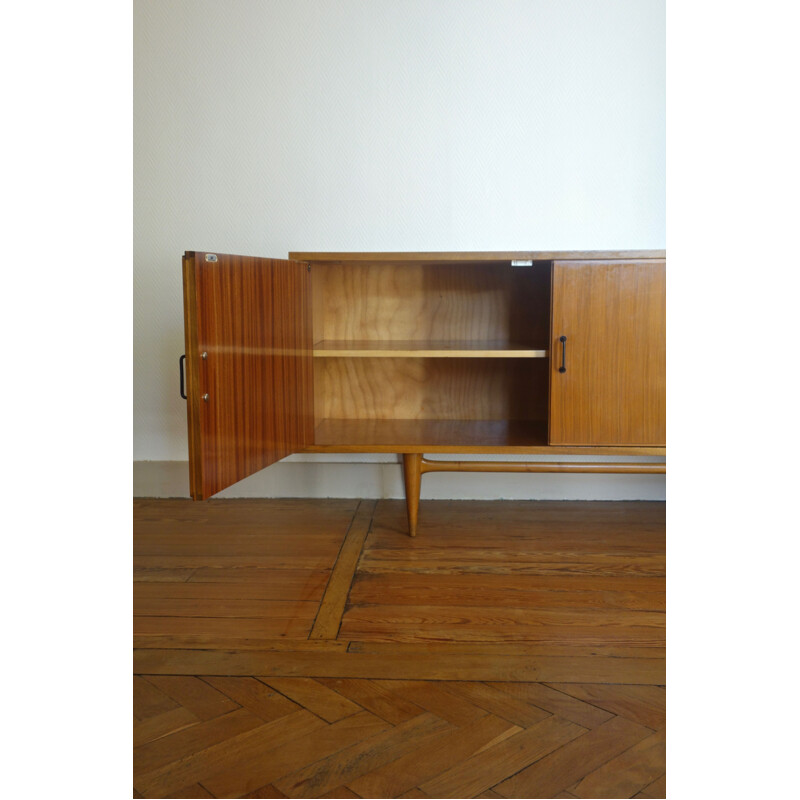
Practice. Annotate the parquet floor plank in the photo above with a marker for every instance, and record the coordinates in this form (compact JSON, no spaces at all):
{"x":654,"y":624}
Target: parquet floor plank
{"x":551,"y":536}
{"x":206,"y":642}
{"x":457,"y":560}
{"x":224,"y":607}
{"x":264,"y":792}
{"x":560,"y":770}
{"x":286,"y":585}
{"x":629,"y":772}
{"x":436,"y":698}
{"x":305,"y":561}
{"x":438,"y":623}
{"x":320,"y":700}
{"x":565,"y":648}
{"x":490,"y":766}
{"x":302,"y":584}
{"x":197,"y":790}
{"x":236,"y":753}
{"x":643,"y":704}
{"x":285,"y":757}
{"x":329,"y":616}
{"x":161,"y":575}
{"x":232,"y":627}
{"x":427,"y":666}
{"x":195,"y":695}
{"x":375,"y":698}
{"x":162,"y":724}
{"x":362,"y":757}
{"x":447,"y":750}
{"x":255,"y":696}
{"x":283,"y":513}
{"x":340,"y":791}
{"x":513,"y":709}
{"x":261,"y":542}
{"x":456,"y":519}
{"x":657,"y":789}
{"x":190,"y":740}
{"x":526,"y":591}
{"x":558,"y":703}
{"x":149,"y":701}
{"x":513,"y":649}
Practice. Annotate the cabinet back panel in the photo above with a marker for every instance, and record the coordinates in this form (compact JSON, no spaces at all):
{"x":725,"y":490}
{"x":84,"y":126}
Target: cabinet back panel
{"x":416,"y":302}
{"x":430,"y":388}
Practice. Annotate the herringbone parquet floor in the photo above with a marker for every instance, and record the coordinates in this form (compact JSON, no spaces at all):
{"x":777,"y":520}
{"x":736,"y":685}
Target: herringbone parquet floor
{"x":300,"y":737}
{"x":309,"y":650}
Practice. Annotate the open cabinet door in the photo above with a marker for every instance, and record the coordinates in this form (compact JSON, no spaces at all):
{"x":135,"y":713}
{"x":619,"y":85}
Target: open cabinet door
{"x":248,"y":365}
{"x":608,"y":362}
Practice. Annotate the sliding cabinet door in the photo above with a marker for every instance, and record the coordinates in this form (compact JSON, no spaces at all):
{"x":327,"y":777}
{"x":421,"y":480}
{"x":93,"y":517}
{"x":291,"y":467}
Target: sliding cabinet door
{"x":608,"y":357}
{"x":248,"y":365}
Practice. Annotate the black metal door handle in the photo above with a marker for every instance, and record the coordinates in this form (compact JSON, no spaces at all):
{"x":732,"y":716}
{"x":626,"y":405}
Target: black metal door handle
{"x":181,"y":361}
{"x":563,"y":340}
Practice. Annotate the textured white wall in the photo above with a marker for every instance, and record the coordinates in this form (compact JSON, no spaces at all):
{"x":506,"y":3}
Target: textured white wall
{"x":263,"y":126}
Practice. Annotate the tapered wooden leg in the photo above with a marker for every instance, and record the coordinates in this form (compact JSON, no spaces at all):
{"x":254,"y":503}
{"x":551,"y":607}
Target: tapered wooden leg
{"x":412,"y":463}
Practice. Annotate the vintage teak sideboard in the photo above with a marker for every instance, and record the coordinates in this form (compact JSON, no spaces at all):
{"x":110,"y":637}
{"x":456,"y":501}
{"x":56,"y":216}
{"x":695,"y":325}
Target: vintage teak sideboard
{"x":534,"y":353}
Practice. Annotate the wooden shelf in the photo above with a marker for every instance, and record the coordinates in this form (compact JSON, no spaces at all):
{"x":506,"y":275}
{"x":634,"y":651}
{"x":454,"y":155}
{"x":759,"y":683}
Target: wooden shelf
{"x":429,"y":433}
{"x":452,"y":436}
{"x":362,"y":348}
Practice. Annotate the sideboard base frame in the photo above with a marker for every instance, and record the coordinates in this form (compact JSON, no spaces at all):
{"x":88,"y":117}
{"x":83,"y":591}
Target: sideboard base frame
{"x":415,"y":465}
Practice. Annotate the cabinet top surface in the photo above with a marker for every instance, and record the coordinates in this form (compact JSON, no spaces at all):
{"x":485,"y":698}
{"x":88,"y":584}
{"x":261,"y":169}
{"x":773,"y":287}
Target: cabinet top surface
{"x":516,"y":255}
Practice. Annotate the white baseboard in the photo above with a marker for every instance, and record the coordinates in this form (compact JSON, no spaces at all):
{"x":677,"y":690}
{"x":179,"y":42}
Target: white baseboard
{"x":311,"y":476}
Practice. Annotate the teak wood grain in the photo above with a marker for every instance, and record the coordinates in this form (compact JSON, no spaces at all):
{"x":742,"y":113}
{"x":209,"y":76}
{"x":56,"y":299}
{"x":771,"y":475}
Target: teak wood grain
{"x":250,"y":398}
{"x":612,"y":391}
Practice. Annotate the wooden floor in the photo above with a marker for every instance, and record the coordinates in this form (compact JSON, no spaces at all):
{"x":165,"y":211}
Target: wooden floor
{"x":310,"y":648}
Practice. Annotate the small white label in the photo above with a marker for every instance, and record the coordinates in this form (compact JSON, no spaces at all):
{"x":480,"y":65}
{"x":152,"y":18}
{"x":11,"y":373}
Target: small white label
{"x":522,"y":263}
{"x":210,"y":257}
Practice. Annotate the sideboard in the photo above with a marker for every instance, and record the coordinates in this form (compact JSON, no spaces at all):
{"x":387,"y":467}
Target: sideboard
{"x":524,"y":353}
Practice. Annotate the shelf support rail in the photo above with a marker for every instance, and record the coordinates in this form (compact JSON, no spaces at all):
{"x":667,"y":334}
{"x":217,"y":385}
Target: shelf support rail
{"x":415,"y":465}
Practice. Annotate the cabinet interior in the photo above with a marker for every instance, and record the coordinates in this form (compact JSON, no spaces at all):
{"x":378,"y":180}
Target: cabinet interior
{"x":430,"y":353}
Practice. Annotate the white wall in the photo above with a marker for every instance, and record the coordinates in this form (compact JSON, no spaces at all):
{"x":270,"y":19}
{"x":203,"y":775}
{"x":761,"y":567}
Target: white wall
{"x":264,"y":126}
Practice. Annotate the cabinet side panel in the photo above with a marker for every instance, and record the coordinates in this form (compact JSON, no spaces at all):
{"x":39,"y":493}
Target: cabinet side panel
{"x":292,"y":377}
{"x":192,"y":378}
{"x":613,"y":390}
